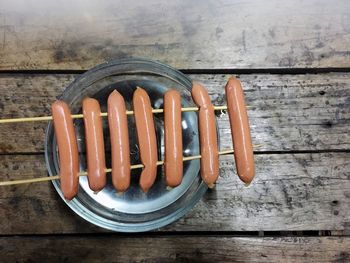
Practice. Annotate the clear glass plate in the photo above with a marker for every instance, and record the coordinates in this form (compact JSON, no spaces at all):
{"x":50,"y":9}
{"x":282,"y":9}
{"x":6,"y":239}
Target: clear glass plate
{"x":132,"y":211}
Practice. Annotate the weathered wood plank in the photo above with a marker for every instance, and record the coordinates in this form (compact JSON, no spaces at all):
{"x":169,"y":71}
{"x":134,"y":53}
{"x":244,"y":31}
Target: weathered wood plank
{"x":200,"y":34}
{"x":290,"y":192}
{"x":288,"y":112}
{"x":174,"y":249}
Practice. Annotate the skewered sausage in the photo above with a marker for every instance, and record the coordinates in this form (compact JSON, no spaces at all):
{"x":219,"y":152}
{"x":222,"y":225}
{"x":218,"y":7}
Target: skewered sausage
{"x":242,"y":142}
{"x":146,"y":136}
{"x":67,"y":149}
{"x":173,"y":164}
{"x":118,"y":129}
{"x":95,"y":150}
{"x":207,"y":135}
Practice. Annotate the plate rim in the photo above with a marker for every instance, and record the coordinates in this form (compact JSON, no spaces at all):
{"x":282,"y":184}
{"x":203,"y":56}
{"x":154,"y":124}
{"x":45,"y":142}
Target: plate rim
{"x":90,"y":216}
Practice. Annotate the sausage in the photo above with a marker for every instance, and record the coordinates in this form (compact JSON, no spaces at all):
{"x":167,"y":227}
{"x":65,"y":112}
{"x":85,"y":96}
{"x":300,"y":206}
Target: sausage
{"x":95,"y":150}
{"x":207,"y":135}
{"x":146,"y":136}
{"x":67,"y":149}
{"x":118,"y":129}
{"x":173,"y":163}
{"x":242,"y":142}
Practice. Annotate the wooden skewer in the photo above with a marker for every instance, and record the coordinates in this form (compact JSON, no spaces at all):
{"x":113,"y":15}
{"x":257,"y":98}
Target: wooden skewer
{"x":103,"y":114}
{"x":108,"y":170}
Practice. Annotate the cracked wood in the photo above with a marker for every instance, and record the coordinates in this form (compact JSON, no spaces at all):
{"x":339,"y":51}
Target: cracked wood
{"x":287,"y":112}
{"x":185,"y":34}
{"x":290,"y":192}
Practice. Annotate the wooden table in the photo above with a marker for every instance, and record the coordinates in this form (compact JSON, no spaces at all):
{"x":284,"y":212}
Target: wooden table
{"x":293,"y":59}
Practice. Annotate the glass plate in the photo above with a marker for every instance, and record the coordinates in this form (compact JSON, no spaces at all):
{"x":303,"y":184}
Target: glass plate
{"x":132,"y":211}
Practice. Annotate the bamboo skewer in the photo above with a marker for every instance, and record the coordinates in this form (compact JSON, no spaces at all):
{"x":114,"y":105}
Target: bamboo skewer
{"x":108,"y":170}
{"x":103,"y":114}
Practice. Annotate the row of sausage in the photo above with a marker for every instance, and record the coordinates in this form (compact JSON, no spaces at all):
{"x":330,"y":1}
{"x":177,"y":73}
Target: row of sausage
{"x":146,"y":135}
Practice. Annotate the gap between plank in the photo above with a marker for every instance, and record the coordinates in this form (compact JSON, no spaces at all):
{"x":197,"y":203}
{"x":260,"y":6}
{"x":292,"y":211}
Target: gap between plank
{"x":254,"y":234}
{"x":274,"y":71}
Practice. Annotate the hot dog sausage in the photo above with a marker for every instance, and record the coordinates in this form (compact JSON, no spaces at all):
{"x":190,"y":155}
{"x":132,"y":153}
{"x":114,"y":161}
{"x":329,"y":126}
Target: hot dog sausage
{"x":241,"y":138}
{"x":67,"y":149}
{"x":207,"y":135}
{"x":173,"y":164}
{"x":146,"y":136}
{"x":118,"y":129}
{"x":95,"y":150}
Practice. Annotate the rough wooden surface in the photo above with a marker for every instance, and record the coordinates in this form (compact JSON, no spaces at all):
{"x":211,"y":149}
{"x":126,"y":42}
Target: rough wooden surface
{"x":174,"y":249}
{"x":185,"y":34}
{"x":288,"y":112}
{"x":303,"y":179}
{"x":290,"y":192}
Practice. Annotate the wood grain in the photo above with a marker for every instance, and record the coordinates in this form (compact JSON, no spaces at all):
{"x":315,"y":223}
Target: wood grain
{"x":185,"y":34}
{"x":174,"y":249}
{"x":290,"y":192}
{"x":288,"y":112}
